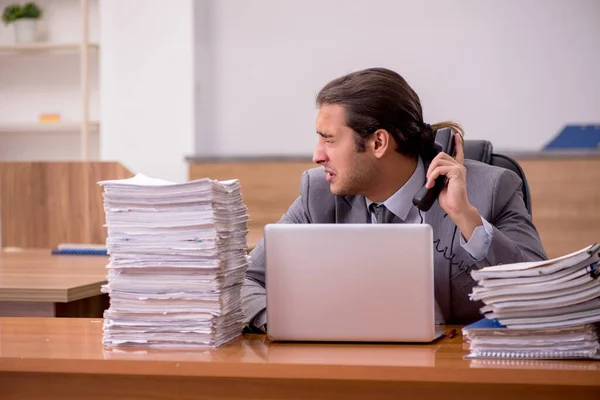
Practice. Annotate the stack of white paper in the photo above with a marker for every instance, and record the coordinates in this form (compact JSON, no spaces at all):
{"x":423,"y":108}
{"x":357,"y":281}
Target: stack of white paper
{"x":177,"y":262}
{"x":539,"y":303}
{"x":561,"y":292}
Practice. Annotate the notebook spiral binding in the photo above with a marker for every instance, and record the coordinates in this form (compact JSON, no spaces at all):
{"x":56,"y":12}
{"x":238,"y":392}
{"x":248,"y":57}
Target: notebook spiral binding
{"x":540,"y":364}
{"x":534,"y":355}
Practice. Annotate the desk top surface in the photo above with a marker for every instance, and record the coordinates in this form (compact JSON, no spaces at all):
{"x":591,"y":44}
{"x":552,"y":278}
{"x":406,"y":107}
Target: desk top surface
{"x":37,"y":275}
{"x":62,"y":345}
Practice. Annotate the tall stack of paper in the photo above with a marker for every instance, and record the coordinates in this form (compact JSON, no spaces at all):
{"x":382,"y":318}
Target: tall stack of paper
{"x":177,"y":262}
{"x":547,"y":309}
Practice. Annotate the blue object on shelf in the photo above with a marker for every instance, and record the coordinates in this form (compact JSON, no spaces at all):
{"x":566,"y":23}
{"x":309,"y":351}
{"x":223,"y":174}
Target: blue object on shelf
{"x":80,"y":252}
{"x":83,"y":249}
{"x":576,"y":137}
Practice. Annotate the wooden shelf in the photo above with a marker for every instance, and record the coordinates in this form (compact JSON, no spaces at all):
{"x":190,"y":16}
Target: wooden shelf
{"x":45,"y":127}
{"x":45,"y":47}
{"x":82,"y":50}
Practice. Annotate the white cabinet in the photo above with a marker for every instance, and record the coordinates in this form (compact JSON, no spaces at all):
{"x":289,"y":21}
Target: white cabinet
{"x":56,"y":75}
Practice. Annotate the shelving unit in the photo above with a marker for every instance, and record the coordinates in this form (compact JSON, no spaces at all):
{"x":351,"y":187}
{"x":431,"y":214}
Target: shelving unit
{"x":85,"y":83}
{"x":41,"y":47}
{"x":81,"y":125}
{"x":46,"y":127}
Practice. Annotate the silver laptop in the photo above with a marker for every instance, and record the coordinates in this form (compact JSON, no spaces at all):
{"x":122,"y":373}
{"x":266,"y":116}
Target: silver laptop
{"x":350,"y":282}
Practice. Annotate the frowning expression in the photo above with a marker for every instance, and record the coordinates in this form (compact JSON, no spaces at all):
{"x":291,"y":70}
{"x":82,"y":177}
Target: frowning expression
{"x":348,"y":171}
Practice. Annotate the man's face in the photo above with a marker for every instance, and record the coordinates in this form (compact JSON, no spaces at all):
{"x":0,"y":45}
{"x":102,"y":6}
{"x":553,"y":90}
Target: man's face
{"x":348,"y":171}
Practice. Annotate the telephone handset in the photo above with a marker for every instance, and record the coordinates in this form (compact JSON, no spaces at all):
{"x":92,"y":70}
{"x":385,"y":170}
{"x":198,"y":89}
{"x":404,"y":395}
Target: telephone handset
{"x":444,"y":141}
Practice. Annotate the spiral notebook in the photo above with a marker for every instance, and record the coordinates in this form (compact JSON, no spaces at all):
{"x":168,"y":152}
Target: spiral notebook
{"x":490,"y":339}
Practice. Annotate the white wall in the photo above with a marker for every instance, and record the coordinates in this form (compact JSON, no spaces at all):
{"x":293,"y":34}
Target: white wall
{"x":513,"y":72}
{"x":47,"y":82}
{"x":204,"y":104}
{"x":148,"y":85}
{"x":237,"y":77}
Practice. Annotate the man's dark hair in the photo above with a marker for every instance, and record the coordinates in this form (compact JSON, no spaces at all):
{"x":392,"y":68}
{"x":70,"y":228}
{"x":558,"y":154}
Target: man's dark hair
{"x":378,"y":98}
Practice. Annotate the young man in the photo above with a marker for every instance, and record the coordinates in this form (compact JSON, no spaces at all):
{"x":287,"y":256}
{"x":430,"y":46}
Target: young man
{"x":374,"y":149}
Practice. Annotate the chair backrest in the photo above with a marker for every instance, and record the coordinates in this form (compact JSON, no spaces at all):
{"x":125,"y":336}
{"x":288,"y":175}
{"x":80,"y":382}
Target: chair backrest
{"x":482,"y":150}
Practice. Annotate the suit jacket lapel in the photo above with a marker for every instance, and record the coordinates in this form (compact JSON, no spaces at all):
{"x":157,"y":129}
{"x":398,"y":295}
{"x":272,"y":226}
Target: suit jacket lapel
{"x":352,"y":210}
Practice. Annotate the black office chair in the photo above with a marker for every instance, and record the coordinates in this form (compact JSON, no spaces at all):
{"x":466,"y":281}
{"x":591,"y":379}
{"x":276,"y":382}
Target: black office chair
{"x":482,"y":150}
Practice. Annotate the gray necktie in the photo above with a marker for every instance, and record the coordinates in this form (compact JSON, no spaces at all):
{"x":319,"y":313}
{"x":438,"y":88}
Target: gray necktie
{"x":383,"y":215}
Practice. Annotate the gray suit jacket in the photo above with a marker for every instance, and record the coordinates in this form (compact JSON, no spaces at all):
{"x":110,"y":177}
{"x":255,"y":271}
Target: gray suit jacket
{"x":494,"y":191}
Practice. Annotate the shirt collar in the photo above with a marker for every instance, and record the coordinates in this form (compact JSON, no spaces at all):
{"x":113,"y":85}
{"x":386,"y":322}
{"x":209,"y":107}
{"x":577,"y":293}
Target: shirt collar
{"x":400,"y":203}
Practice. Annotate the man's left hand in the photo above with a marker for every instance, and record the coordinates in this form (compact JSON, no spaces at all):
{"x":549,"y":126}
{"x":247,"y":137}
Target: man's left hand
{"x":453,"y":198}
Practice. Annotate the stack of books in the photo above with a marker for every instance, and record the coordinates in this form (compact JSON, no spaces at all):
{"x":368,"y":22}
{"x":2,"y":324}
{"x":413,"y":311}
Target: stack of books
{"x":548,"y":309}
{"x":177,"y":262}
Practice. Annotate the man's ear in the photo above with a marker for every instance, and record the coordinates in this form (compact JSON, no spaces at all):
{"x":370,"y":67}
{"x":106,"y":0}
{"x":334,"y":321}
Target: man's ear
{"x":381,"y":141}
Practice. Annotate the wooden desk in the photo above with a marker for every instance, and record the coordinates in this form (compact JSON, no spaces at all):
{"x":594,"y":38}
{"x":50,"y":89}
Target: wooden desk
{"x":36,"y":283}
{"x":54,"y":358}
{"x":43,"y":204}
